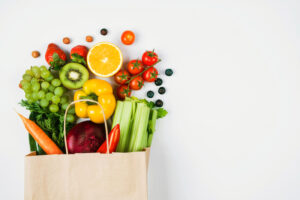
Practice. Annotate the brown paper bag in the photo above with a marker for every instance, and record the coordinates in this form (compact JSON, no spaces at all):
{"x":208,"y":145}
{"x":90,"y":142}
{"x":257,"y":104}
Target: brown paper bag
{"x":87,"y":176}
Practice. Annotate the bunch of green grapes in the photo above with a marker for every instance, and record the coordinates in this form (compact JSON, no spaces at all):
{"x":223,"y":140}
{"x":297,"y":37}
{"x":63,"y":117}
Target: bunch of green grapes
{"x":43,"y":87}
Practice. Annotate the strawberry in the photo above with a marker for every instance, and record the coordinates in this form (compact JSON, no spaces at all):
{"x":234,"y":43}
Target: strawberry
{"x":78,"y":54}
{"x":55,"y":56}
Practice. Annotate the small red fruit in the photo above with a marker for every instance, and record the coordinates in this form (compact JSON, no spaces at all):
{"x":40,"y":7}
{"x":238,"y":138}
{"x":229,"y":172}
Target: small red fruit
{"x":78,"y":54}
{"x":55,"y":56}
{"x":123,"y":91}
{"x":150,"y":75}
{"x":121,"y":77}
{"x":135,"y":67}
{"x":128,"y":37}
{"x":136,"y":83}
{"x":150,"y":58}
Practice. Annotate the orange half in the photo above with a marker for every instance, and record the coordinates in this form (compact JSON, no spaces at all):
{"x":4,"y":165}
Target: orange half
{"x":104,"y":59}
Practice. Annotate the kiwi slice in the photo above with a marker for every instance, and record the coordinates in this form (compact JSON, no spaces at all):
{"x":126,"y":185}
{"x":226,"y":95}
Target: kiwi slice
{"x":73,"y":75}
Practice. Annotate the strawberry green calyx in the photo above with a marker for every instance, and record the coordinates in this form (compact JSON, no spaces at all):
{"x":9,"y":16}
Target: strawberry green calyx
{"x":56,"y":62}
{"x":78,"y":59}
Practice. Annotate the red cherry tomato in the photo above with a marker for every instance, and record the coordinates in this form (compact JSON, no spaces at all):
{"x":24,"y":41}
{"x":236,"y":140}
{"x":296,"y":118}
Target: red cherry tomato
{"x":150,"y":74}
{"x":128,"y":37}
{"x":121,"y":77}
{"x":123,"y":91}
{"x":150,"y":58}
{"x":135,"y":67}
{"x":136,"y":83}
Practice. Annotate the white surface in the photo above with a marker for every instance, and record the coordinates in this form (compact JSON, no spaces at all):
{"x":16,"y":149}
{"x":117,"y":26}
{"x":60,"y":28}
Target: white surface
{"x":232,"y":132}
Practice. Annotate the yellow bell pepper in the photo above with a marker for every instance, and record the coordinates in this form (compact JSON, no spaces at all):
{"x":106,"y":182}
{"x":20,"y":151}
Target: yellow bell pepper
{"x":99,"y":90}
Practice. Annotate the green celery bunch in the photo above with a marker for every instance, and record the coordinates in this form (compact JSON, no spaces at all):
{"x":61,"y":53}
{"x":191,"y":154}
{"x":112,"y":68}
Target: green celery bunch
{"x":137,"y":119}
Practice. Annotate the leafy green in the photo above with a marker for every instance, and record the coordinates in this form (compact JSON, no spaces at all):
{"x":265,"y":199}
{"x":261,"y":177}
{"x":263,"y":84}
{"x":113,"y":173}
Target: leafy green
{"x":51,"y":123}
{"x":57,"y":62}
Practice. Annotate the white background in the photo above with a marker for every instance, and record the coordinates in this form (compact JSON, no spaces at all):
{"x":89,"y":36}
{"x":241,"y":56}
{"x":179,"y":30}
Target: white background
{"x":232,"y":132}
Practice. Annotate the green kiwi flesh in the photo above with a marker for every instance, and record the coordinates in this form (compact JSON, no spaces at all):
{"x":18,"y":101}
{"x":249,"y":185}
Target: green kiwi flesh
{"x":73,"y":75}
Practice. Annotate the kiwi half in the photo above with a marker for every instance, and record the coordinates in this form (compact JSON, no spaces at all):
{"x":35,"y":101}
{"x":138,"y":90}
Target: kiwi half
{"x":73,"y":75}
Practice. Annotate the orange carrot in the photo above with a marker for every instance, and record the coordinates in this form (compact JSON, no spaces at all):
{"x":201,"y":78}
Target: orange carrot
{"x":40,"y":136}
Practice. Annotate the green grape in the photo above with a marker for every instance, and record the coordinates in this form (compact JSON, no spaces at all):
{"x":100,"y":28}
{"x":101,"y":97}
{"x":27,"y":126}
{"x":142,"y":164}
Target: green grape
{"x":45,"y":74}
{"x":56,"y":82}
{"x":34,"y":80}
{"x":71,"y":110}
{"x":55,"y":99}
{"x":37,"y":75}
{"x":35,"y":87}
{"x":64,"y":106}
{"x":27,"y":90}
{"x":30,"y":100}
{"x":43,"y":68}
{"x":45,"y":85}
{"x":26,"y":86}
{"x":35,"y":70}
{"x":29,"y":72}
{"x":63,"y":99}
{"x":41,"y":94}
{"x":53,"y":108}
{"x":44,"y":103}
{"x":70,"y":118}
{"x":50,"y":78}
{"x":49,"y":96}
{"x":27,"y":77}
{"x":51,"y":88}
{"x":28,"y":95}
{"x":59,"y":91}
{"x":23,"y":82}
{"x":35,"y":96}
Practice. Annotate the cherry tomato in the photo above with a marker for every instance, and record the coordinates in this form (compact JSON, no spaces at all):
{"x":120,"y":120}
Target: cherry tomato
{"x":135,"y":67}
{"x":136,"y":83}
{"x":121,"y":77}
{"x":123,"y":91}
{"x":150,"y":75}
{"x":150,"y":58}
{"x":128,"y":37}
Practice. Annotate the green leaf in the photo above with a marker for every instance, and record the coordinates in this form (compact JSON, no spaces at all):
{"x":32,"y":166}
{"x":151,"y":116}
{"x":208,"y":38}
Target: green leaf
{"x":161,"y":113}
{"x":78,"y":59}
{"x":56,"y":62}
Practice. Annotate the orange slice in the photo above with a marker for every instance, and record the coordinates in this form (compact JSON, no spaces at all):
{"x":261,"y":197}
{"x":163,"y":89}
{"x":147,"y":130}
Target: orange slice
{"x":104,"y":59}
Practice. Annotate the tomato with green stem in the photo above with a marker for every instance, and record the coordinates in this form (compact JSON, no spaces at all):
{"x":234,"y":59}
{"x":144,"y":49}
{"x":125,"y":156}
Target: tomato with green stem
{"x":123,"y":91}
{"x":150,"y":58}
{"x":150,"y":75}
{"x":121,"y":77}
{"x":136,"y":83}
{"x":135,"y":67}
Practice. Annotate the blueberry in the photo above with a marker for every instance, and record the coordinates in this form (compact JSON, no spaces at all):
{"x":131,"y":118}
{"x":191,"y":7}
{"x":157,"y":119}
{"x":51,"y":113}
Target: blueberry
{"x":169,"y":72}
{"x":103,"y":31}
{"x":161,"y":90}
{"x":159,"y":103}
{"x":150,"y":94}
{"x":158,"y":81}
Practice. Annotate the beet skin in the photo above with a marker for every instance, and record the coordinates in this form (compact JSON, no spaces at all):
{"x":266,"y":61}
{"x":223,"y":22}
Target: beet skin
{"x":85,"y":137}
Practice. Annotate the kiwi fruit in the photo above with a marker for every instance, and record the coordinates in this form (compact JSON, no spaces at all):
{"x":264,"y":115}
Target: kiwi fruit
{"x":73,"y":75}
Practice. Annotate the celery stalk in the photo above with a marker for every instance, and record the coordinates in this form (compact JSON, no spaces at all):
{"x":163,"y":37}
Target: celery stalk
{"x":123,"y":117}
{"x":139,"y":134}
{"x":151,"y":126}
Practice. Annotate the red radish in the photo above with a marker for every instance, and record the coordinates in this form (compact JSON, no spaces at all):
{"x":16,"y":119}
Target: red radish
{"x":85,"y":137}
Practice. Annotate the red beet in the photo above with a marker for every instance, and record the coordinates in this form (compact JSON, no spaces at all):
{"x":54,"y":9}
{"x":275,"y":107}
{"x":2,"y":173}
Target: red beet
{"x":85,"y":137}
